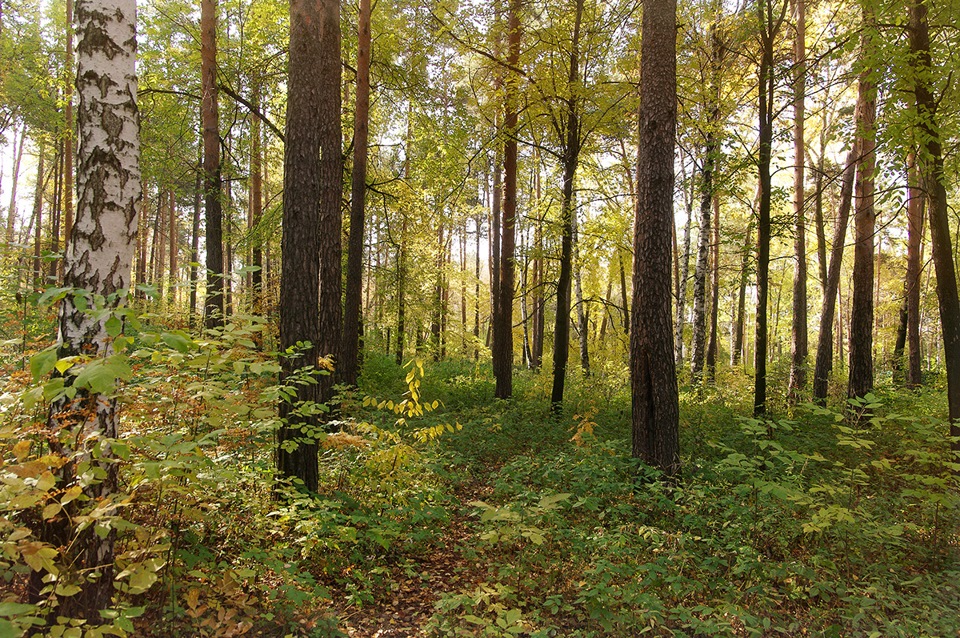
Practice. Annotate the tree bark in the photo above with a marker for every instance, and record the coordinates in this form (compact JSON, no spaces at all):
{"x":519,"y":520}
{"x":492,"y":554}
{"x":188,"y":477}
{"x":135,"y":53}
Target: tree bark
{"x":652,"y":367}
{"x":310,"y":280}
{"x":738,"y":324}
{"x":194,"y":243}
{"x":713,"y":341}
{"x":799,"y":343}
{"x":683,"y":276}
{"x":503,"y":312}
{"x":98,"y":264}
{"x":68,"y":136}
{"x":824,"y":363}
{"x":769,"y":26}
{"x":860,"y":380}
{"x":915,"y":213}
{"x":570,"y":159}
{"x":38,"y":215}
{"x":210,"y":116}
{"x":583,"y":316}
{"x":15,"y":177}
{"x":172,"y":284}
{"x":349,"y":364}
{"x":256,"y":209}
{"x":933,"y":179}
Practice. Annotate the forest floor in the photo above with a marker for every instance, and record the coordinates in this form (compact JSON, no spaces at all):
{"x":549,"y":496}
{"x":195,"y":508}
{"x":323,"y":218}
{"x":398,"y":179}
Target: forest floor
{"x":407,"y":601}
{"x":444,"y":512}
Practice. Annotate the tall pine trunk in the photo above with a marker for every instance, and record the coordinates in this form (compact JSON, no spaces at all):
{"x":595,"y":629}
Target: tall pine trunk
{"x":309,"y":281}
{"x":503,"y":311}
{"x":933,"y":179}
{"x":861,"y":315}
{"x":653,"y":375}
{"x":358,"y":187}
{"x":799,"y":347}
{"x":210,"y":116}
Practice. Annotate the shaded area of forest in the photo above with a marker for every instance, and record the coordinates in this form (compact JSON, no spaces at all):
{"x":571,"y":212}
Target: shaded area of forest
{"x":484,"y":517}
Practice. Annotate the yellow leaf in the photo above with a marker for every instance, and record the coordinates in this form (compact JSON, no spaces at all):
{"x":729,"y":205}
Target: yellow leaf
{"x":46,"y":481}
{"x":71,"y":494}
{"x":193,"y":598}
{"x":21,"y":449}
{"x":50,"y":511}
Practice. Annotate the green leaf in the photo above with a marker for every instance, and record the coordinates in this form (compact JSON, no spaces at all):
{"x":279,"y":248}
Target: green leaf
{"x":65,"y":589}
{"x":15,"y":609}
{"x":100,"y":376}
{"x":7,"y":629}
{"x":178,"y":341}
{"x":43,"y":362}
{"x":113,"y":326}
{"x":141,"y":580}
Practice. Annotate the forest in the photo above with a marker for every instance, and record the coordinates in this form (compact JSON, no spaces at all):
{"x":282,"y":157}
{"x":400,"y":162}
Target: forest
{"x":460,"y":318}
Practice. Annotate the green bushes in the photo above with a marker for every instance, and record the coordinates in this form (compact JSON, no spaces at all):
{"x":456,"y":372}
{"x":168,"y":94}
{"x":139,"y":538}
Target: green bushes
{"x":830,"y":522}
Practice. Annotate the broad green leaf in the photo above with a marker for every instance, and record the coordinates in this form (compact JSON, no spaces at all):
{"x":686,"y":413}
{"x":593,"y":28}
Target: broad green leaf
{"x":113,"y":326}
{"x":178,"y":341}
{"x":43,"y":362}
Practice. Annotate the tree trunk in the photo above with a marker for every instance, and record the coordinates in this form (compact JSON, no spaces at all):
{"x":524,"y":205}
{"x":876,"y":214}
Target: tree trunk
{"x":436,"y":321}
{"x":210,"y":115}
{"x":198,"y":186}
{"x":15,"y":175}
{"x":476,"y":294}
{"x":623,"y":293}
{"x":861,"y":314}
{"x":799,"y":348}
{"x":824,"y":364}
{"x":349,"y":364}
{"x":539,"y":296}
{"x":768,"y":30}
{"x":172,"y":286}
{"x":256,"y":210}
{"x":713,"y":341}
{"x":683,"y":276}
{"x":55,"y":214}
{"x":652,"y":367}
{"x":583,"y":316}
{"x":310,"y":280}
{"x":703,"y":252}
{"x":915,"y":214}
{"x":818,"y":216}
{"x":739,"y":322}
{"x":571,"y":157}
{"x":933,"y":179}
{"x":38,"y":216}
{"x":503,"y":311}
{"x":68,"y":135}
{"x":98,"y":262}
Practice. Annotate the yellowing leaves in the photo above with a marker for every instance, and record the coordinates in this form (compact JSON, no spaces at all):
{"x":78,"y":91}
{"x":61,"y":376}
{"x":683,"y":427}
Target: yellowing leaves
{"x":340,"y":440}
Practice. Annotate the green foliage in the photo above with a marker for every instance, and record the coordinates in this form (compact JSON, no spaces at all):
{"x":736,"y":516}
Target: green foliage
{"x":829,"y":522}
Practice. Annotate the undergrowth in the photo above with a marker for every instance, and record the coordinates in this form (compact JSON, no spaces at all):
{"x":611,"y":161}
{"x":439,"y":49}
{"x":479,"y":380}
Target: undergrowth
{"x":835,"y":522}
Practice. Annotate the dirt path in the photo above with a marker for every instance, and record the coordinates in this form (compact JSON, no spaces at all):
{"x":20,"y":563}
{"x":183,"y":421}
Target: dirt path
{"x":412,"y":591}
